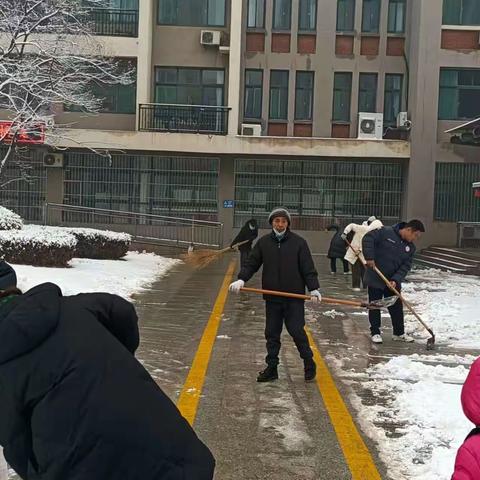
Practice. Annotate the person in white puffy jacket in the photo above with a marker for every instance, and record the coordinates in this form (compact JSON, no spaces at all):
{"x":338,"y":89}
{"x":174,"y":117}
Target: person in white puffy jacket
{"x":359,"y":232}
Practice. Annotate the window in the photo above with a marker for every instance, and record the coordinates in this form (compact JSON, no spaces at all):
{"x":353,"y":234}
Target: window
{"x":116,"y":98}
{"x":345,"y":15}
{"x":189,"y":86}
{"x":307,"y":15}
{"x":393,"y":98}
{"x":396,"y":16}
{"x":253,"y":93}
{"x":461,"y":12}
{"x":459,"y":94}
{"x":282,"y":14}
{"x":256,"y":14}
{"x":367,"y":92}
{"x":192,"y":12}
{"x":279,"y":94}
{"x":371,"y":16}
{"x":304,"y":96}
{"x":342,"y":91}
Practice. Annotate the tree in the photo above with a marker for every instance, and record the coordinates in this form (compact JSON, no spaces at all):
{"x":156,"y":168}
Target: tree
{"x":48,"y":56}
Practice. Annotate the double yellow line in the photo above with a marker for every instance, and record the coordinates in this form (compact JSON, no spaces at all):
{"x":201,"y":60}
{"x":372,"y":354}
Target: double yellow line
{"x":357,"y":455}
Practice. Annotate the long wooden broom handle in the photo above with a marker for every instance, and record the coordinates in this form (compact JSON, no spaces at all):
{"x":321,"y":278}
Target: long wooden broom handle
{"x":302,"y":297}
{"x":226,"y":249}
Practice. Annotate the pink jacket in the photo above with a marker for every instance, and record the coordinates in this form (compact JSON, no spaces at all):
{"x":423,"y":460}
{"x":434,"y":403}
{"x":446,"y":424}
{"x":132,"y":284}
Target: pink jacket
{"x":467,"y":463}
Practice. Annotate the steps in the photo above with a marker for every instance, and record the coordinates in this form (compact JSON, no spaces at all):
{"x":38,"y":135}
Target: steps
{"x":452,"y":259}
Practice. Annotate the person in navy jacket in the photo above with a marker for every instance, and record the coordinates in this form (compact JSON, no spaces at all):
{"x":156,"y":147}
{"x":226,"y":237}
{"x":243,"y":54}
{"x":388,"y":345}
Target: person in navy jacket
{"x":391,"y":250}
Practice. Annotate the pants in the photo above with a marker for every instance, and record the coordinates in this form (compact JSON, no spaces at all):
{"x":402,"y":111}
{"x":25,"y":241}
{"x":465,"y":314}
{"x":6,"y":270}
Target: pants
{"x":244,"y":256}
{"x":358,"y":271}
{"x":396,"y":312}
{"x":293,"y":313}
{"x":333,"y":265}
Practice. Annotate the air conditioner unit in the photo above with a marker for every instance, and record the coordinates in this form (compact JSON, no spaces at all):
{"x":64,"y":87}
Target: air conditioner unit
{"x":53,"y":160}
{"x":251,"y":129}
{"x":402,"y":120}
{"x":370,"y":126}
{"x":210,"y":37}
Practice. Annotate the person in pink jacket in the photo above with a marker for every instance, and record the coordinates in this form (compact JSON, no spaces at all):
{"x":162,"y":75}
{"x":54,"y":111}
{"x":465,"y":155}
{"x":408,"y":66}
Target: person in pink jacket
{"x":467,"y":463}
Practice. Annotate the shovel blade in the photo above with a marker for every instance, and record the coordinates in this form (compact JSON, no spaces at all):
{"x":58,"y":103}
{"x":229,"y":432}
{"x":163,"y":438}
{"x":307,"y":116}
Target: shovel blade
{"x":383,"y":303}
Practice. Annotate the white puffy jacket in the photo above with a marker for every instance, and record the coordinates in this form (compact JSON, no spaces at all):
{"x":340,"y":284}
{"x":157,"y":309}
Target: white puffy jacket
{"x":360,"y":232}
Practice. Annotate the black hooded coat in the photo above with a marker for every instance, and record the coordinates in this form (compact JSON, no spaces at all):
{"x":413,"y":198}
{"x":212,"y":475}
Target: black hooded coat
{"x":338,"y":246}
{"x":246,"y":233}
{"x":8,"y":277}
{"x":75,"y":404}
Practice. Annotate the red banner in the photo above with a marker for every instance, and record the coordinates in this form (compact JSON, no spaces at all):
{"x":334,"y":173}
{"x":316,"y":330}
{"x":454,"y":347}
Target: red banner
{"x":35,"y":134}
{"x":476,"y":192}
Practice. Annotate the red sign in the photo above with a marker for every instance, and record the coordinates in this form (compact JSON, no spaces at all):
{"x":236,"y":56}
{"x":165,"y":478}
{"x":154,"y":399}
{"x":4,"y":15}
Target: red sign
{"x":35,"y":134}
{"x":476,"y":192}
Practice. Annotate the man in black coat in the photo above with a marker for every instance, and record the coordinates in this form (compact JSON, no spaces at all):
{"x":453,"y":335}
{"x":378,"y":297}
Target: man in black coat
{"x":337,"y":249}
{"x":75,"y":404}
{"x":287,"y":267}
{"x":8,"y":277}
{"x":248,"y":232}
{"x":391,"y":250}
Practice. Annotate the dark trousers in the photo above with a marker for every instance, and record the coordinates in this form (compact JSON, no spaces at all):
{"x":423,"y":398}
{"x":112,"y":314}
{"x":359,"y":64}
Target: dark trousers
{"x":243,"y":256}
{"x":333,"y":265}
{"x":396,"y":312}
{"x":358,"y":271}
{"x":293,"y":313}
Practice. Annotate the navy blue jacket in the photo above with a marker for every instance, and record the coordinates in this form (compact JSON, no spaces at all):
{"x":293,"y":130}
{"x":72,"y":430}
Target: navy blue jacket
{"x":393,"y":255}
{"x":8,"y":278}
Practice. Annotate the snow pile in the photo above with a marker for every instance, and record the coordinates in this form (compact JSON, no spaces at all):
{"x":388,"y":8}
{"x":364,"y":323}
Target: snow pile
{"x":333,"y":314}
{"x":9,"y":220}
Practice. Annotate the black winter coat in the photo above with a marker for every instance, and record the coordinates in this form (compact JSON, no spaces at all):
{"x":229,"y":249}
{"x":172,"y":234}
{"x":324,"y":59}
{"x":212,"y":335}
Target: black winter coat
{"x":246,"y":233}
{"x":75,"y":404}
{"x":8,"y":278}
{"x":287,"y":265}
{"x":393,"y":255}
{"x":338,"y":247}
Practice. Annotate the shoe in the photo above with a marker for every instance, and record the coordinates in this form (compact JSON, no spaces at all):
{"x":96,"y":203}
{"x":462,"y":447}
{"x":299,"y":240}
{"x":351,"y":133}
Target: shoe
{"x":347,"y":273}
{"x":333,"y":273}
{"x":310,"y":371}
{"x":357,"y":289}
{"x":377,"y":338}
{"x":267,"y":375}
{"x":402,"y":338}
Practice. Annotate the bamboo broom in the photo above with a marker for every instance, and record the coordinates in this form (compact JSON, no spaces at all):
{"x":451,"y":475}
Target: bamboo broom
{"x":201,"y":258}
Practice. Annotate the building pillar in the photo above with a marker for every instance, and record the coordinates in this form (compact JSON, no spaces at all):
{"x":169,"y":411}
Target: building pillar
{"x":226,"y":191}
{"x":55,"y":193}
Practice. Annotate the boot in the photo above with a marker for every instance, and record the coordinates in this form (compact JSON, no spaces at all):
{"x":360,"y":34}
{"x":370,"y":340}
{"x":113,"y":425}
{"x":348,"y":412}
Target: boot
{"x":310,"y":370}
{"x":269,"y":374}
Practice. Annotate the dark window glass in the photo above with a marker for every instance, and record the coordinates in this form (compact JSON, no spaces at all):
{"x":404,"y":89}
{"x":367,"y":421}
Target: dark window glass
{"x":192,"y":12}
{"x":396,"y":16}
{"x":367,"y":92}
{"x":371,"y":16}
{"x":393,"y":98}
{"x":342,"y":91}
{"x":307,"y":15}
{"x":345,"y":15}
{"x":253,"y":93}
{"x":279,"y":94}
{"x":304,"y":96}
{"x":256,"y":14}
{"x":461,"y":12}
{"x":282,"y":14}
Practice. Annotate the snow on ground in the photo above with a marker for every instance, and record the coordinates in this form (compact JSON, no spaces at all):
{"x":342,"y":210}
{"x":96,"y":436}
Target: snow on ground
{"x":122,"y":277}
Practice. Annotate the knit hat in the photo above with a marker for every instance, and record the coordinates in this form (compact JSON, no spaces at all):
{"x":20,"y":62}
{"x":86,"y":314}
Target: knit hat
{"x":371,"y":219}
{"x":279,"y":212}
{"x":8,"y":278}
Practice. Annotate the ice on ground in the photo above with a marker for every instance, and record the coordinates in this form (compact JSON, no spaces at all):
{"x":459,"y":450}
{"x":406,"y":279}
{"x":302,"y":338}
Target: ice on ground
{"x":333,"y":314}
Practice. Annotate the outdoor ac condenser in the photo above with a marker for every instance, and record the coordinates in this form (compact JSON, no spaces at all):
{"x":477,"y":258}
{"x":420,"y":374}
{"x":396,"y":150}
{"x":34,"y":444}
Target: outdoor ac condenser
{"x":370,"y":126}
{"x":250,"y":129}
{"x":210,"y":37}
{"x":53,"y":160}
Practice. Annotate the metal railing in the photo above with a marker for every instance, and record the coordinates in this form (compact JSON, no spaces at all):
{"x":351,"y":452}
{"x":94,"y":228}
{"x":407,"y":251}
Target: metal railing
{"x":114,"y":22}
{"x":144,"y":228}
{"x":468,"y":234}
{"x":162,"y":117}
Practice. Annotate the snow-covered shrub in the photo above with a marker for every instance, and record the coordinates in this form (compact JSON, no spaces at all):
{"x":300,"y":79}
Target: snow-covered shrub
{"x":100,"y":244}
{"x":10,"y":220}
{"x":38,"y":245}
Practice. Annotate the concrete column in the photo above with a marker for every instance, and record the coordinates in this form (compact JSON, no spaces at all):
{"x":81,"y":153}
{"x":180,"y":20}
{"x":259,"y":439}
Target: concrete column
{"x":55,"y":192}
{"x":235,"y":66}
{"x":146,"y":22}
{"x":226,"y":191}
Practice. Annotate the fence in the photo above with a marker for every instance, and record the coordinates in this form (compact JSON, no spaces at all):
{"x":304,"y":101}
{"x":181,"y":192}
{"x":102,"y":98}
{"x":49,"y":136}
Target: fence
{"x":115,"y":22}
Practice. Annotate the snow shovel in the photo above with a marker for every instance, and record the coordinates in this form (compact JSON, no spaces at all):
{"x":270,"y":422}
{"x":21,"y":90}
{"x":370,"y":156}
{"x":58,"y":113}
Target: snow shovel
{"x":431,"y":340}
{"x":375,"y":305}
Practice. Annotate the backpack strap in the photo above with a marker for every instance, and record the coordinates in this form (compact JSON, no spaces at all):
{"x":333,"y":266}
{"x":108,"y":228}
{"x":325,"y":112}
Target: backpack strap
{"x":475,"y":431}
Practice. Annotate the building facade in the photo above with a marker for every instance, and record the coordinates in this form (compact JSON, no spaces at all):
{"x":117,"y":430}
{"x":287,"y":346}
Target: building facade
{"x":244,"y":105}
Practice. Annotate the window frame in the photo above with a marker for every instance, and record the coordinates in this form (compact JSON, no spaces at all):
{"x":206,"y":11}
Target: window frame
{"x":275,"y":6}
{"x":396,"y":2}
{"x":354,"y":2}
{"x":262,"y":26}
{"x":245,"y":116}
{"x":460,"y":20}
{"x":360,"y":91}
{"x":335,"y":118}
{"x":311,"y":89}
{"x":281,"y":88}
{"x":379,"y":16}
{"x":386,"y":120}
{"x":303,"y":2}
{"x":182,"y":24}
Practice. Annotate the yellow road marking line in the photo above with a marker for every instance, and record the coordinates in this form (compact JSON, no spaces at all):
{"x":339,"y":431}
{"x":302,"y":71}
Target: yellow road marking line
{"x":192,"y":389}
{"x":357,"y":455}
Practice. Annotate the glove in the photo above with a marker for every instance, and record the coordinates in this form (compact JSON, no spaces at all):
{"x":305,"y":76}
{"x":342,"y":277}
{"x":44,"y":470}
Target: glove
{"x":236,"y":286}
{"x":343,"y":236}
{"x":315,"y":296}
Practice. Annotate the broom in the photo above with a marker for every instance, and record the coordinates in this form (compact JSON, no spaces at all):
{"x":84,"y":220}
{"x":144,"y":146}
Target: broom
{"x":201,"y":258}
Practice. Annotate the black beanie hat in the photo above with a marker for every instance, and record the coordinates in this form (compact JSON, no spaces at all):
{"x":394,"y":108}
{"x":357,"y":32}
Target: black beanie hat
{"x":279,"y":212}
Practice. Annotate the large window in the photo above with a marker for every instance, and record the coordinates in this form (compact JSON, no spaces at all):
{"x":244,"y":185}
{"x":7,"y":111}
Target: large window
{"x":307,"y":15}
{"x":189,"y":86}
{"x":192,"y":12}
{"x":393,"y":98}
{"x":459,"y":94}
{"x":304,"y":96}
{"x":461,"y":12}
{"x":256,"y":14}
{"x":317,"y":192}
{"x":396,"y":16}
{"x":345,"y":15}
{"x":253,"y":93}
{"x":282,"y":14}
{"x":367,"y":92}
{"x":342,"y":91}
{"x":371,"y":16}
{"x":279,"y":94}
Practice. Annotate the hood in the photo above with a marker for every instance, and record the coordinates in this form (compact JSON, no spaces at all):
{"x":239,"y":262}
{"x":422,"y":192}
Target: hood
{"x":333,"y":228}
{"x":28,"y":320}
{"x":375,"y":225}
{"x":252,"y":222}
{"x":471,"y":394}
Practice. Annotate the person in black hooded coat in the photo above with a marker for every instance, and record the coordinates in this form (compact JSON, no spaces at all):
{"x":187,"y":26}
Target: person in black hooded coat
{"x":337,"y":249}
{"x":75,"y":404}
{"x":248,"y":232}
{"x":8,"y":277}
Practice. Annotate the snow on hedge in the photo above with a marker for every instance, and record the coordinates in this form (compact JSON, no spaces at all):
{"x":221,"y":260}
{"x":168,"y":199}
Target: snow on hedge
{"x":39,"y":235}
{"x":10,"y":220}
{"x":94,"y":234}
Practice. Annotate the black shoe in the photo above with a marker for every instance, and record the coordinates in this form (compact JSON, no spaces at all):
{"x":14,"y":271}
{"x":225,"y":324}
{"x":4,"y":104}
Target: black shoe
{"x":267,"y":375}
{"x":310,"y":371}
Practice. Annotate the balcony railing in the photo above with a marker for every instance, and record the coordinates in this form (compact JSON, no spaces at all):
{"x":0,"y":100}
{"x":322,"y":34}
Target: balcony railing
{"x":161,"y":117}
{"x":115,"y":22}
